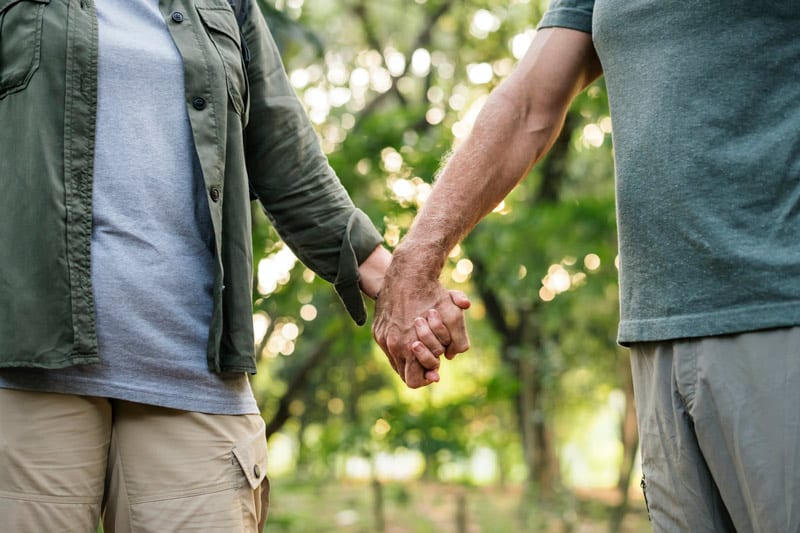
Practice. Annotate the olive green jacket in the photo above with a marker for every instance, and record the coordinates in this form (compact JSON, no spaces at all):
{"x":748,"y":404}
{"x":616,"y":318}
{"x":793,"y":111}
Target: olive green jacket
{"x":246,"y":122}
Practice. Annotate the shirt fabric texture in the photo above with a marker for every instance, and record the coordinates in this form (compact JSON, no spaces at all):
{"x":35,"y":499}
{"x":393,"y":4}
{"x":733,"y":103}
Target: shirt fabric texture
{"x":249,"y":132}
{"x":705,"y":103}
{"x":152,"y":254}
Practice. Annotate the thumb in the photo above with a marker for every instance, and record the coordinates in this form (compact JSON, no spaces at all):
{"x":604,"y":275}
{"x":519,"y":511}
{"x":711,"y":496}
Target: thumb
{"x":460,"y":299}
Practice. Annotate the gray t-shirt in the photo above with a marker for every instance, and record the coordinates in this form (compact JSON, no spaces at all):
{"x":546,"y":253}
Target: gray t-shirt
{"x":705,"y":101}
{"x":152,"y":241}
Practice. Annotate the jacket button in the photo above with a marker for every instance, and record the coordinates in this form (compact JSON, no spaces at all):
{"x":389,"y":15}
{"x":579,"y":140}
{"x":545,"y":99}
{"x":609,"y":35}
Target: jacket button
{"x":177,"y":16}
{"x":257,"y":471}
{"x":214,"y":193}
{"x":199,"y":103}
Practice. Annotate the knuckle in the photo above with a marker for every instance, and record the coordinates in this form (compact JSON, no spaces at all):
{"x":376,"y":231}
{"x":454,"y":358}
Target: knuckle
{"x":393,"y":342}
{"x":434,"y":318}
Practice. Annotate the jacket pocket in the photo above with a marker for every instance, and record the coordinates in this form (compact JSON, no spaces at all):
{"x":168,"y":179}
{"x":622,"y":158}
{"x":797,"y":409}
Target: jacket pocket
{"x":223,"y":30}
{"x":20,"y":42}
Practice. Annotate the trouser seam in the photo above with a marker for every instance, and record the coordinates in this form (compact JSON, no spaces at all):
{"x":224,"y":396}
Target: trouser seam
{"x":124,"y":483}
{"x":643,"y":484}
{"x":66,"y":500}
{"x":168,"y":497}
{"x":692,"y":353}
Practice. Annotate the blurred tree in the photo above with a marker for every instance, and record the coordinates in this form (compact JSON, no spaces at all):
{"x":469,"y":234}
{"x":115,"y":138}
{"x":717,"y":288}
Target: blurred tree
{"x":391,"y":87}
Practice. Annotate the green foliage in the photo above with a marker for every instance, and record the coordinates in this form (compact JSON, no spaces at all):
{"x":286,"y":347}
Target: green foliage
{"x":386,"y":138}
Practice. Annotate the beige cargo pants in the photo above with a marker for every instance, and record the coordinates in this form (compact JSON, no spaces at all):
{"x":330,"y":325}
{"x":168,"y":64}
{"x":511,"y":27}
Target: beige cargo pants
{"x":66,"y":460}
{"x":719,"y":423}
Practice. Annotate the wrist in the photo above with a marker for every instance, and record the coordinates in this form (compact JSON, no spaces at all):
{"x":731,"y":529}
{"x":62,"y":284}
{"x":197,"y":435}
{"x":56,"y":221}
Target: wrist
{"x":409,"y":260}
{"x":373,"y":270}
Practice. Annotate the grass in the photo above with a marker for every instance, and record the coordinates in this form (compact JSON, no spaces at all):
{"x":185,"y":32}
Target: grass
{"x":433,"y":508}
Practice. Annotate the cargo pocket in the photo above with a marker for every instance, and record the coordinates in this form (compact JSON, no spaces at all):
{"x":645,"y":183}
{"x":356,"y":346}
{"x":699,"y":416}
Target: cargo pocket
{"x":20,"y":42}
{"x":223,"y":30}
{"x":251,"y":457}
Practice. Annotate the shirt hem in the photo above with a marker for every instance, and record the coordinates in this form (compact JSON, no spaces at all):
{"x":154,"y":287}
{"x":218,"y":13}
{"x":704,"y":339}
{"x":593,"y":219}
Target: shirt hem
{"x":709,"y":324}
{"x":158,"y":400}
{"x":54,"y":364}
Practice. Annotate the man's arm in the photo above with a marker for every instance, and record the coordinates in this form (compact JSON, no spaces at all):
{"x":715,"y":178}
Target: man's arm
{"x":433,"y":333}
{"x":516,"y":127}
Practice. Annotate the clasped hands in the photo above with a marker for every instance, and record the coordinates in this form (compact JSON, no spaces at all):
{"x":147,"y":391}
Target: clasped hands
{"x":416,"y":322}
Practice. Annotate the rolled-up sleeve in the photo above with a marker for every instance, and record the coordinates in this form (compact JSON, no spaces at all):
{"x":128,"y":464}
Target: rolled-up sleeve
{"x":572,"y":14}
{"x":290,"y":176}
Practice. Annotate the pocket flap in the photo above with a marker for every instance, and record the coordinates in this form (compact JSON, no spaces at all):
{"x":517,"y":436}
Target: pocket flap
{"x":251,"y":453}
{"x":222,"y":21}
{"x":5,"y":4}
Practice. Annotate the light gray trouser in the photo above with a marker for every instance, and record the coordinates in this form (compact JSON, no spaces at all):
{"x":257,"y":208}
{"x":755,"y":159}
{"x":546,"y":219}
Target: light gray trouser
{"x":719,"y":423}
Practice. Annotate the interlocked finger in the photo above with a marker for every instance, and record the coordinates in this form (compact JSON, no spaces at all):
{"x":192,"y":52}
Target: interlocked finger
{"x":431,"y":341}
{"x":415,"y":375}
{"x":438,"y":328}
{"x":459,"y":342}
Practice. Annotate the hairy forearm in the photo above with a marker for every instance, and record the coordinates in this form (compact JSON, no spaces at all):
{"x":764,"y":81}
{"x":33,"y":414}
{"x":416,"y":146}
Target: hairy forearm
{"x":515,"y":128}
{"x":505,"y":143}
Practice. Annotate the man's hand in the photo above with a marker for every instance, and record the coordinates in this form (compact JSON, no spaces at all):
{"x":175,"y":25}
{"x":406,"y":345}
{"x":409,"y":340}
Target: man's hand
{"x":515,"y":128}
{"x":417,"y":321}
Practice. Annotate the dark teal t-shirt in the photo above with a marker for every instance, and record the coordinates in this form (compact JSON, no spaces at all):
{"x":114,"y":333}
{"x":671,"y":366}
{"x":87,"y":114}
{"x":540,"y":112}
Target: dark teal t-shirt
{"x":705,"y":103}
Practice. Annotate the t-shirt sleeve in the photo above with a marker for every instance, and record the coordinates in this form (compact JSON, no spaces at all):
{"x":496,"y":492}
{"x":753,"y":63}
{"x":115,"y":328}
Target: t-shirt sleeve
{"x":572,"y":14}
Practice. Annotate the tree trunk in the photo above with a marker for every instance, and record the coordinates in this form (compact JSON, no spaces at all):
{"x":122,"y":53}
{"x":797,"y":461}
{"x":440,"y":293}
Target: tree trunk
{"x":377,"y":505}
{"x":296,"y":384}
{"x":527,"y":415}
{"x":461,"y":512}
{"x":540,"y":454}
{"x":630,"y":443}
